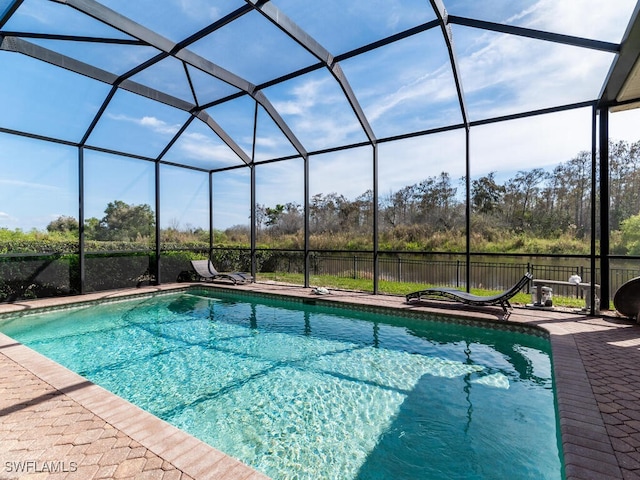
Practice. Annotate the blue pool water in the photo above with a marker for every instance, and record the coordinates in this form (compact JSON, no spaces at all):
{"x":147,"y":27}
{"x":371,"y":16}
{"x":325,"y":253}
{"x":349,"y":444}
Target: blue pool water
{"x":311,"y":392}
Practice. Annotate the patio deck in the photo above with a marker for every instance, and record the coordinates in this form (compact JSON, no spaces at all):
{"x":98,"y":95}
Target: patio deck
{"x":56,"y":424}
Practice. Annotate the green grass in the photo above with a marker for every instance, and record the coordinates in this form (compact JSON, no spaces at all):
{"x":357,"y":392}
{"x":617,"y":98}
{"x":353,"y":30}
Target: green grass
{"x":398,"y":288}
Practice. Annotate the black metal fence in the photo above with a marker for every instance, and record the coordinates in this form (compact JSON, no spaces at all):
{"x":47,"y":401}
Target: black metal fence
{"x":421,"y":271}
{"x":486,"y":274}
{"x":44,"y":275}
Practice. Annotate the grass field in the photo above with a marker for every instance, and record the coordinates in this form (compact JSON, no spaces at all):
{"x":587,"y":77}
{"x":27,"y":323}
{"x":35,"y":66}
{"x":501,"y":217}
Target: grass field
{"x":398,"y":288}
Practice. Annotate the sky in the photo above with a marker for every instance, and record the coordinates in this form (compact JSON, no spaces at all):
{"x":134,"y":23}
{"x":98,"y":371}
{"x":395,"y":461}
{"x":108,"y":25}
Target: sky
{"x":403,"y":87}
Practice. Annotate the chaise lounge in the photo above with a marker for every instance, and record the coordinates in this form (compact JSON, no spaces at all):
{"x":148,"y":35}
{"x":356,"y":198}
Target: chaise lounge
{"x":207,"y":272}
{"x":501,"y":299}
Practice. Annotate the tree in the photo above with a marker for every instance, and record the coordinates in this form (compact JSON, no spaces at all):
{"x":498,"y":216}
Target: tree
{"x":520,"y":198}
{"x":64,"y":224}
{"x":324,"y":212}
{"x":436,"y":199}
{"x":364,"y":204}
{"x":396,"y":207}
{"x":93,"y":229}
{"x":557,"y":202}
{"x":126,"y":222}
{"x":273,"y":214}
{"x":631,"y":234}
{"x":580,"y":184}
{"x":624,"y":175}
{"x":486,"y":194}
{"x":284,"y":219}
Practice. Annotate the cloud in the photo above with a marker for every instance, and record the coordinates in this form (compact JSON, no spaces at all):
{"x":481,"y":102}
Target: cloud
{"x":585,"y":18}
{"x":269,"y":142}
{"x":44,"y":14}
{"x":426,"y":86}
{"x":28,"y":185}
{"x":543,"y":141}
{"x":150,"y":122}
{"x":318,"y":112}
{"x":201,"y":147}
{"x":624,"y":125}
{"x":501,"y":74}
{"x":9,"y":221}
{"x":507,"y":147}
{"x":159,"y":126}
{"x":410,"y":161}
{"x":507,"y":74}
{"x":347,"y":172}
{"x":306,"y":95}
{"x":211,"y":152}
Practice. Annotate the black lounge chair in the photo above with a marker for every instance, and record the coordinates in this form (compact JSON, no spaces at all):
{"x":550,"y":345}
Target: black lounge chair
{"x":627,"y":299}
{"x":207,"y":272}
{"x":501,"y":299}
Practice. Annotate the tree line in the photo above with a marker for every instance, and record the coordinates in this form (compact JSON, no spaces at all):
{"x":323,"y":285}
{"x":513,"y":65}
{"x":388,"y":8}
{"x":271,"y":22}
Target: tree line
{"x":124,"y":222}
{"x":121,"y":222}
{"x":537,"y":203}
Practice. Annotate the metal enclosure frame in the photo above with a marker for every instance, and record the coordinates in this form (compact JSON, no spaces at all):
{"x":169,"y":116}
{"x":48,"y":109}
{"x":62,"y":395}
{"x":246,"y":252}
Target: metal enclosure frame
{"x":627,"y":53}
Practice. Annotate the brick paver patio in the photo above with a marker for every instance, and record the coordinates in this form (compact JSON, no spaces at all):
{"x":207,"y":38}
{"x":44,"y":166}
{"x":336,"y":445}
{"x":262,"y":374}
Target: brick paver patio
{"x":55,"y":424}
{"x":45,"y":434}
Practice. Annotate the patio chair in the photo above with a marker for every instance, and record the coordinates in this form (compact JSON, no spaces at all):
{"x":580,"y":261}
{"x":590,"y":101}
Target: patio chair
{"x":501,"y":299}
{"x":627,"y":299}
{"x":207,"y":272}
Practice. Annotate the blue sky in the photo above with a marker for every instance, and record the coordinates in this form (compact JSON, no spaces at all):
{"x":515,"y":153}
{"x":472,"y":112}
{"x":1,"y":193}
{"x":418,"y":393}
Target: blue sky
{"x":403,"y":87}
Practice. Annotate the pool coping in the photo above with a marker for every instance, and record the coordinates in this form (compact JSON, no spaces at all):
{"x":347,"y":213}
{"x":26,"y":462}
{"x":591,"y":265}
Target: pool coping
{"x":587,"y":444}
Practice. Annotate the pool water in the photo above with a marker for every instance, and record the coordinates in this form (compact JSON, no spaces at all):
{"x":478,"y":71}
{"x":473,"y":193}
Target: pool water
{"x":311,"y":392}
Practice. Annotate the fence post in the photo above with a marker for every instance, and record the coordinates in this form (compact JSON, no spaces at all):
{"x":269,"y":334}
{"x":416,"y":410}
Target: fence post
{"x":399,"y":269}
{"x":355,"y":267}
{"x":457,"y":273}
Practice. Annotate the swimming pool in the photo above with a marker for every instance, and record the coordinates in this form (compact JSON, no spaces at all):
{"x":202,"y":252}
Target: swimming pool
{"x":311,"y":391}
